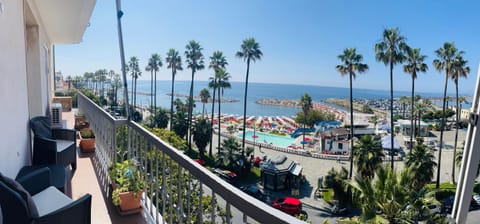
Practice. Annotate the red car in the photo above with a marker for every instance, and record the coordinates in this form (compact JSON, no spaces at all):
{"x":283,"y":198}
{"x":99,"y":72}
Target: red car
{"x":201,"y":162}
{"x":289,"y":205}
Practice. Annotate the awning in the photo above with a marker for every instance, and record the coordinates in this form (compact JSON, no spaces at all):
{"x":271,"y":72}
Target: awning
{"x":296,"y":170}
{"x":387,"y":143}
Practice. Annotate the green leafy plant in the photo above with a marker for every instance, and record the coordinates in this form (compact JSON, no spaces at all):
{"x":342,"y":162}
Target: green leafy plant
{"x":126,"y":177}
{"x":87,"y":133}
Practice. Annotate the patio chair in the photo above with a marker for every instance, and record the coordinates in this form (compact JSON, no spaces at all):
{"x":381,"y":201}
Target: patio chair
{"x":33,"y":200}
{"x":55,"y":145}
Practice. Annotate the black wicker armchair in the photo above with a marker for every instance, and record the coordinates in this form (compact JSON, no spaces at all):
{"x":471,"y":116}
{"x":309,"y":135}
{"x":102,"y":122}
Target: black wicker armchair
{"x":53,"y":145}
{"x":31,"y":199}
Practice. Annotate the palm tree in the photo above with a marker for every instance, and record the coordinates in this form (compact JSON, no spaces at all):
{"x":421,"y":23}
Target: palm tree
{"x":414,"y":64}
{"x":222,"y":83}
{"x":250,"y":52}
{"x":352,"y":63}
{"x":229,"y":154}
{"x":422,"y":107}
{"x":390,"y":51}
{"x":422,"y":163}
{"x":388,"y":194}
{"x":459,"y":69}
{"x":201,"y":135}
{"x":194,"y":61}
{"x":204,"y":96}
{"x":446,"y":56}
{"x":403,"y":100}
{"x":306,"y":103}
{"x":368,"y":156}
{"x":134,"y":69}
{"x":174,"y":62}
{"x":154,"y":64}
{"x":217,"y":61}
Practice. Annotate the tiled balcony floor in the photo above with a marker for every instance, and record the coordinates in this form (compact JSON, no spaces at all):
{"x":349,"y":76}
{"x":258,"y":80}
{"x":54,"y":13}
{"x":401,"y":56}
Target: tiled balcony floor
{"x":87,"y":180}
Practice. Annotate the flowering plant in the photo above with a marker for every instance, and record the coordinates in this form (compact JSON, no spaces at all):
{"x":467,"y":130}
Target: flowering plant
{"x":125,"y":177}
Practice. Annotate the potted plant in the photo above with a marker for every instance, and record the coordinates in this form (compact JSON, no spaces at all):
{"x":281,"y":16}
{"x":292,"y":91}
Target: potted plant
{"x":128,"y":186}
{"x":87,"y":140}
{"x":81,"y":122}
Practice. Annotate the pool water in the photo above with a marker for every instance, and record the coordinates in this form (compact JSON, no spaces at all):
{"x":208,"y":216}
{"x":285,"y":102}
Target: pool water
{"x":282,"y":141}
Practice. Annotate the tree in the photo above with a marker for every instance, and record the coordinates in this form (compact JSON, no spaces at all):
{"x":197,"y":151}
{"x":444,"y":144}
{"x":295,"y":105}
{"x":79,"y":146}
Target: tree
{"x":222,"y":83}
{"x":154,"y":64}
{"x":422,"y":163}
{"x":217,"y":61}
{"x":388,"y":194}
{"x":180,"y":123}
{"x":174,"y":62}
{"x":446,"y":56}
{"x":134,"y":70}
{"x":368,"y":156}
{"x":338,"y":181}
{"x":459,"y":69}
{"x":351,"y":64}
{"x":389,"y":51}
{"x":250,"y":52}
{"x":403,"y":100}
{"x":201,"y":134}
{"x":204,"y":96}
{"x":229,"y":154}
{"x":306,"y":103}
{"x":194,"y":56}
{"x":414,"y":63}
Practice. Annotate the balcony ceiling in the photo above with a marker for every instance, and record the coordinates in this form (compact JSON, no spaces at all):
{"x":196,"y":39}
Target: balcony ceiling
{"x":65,"y":21}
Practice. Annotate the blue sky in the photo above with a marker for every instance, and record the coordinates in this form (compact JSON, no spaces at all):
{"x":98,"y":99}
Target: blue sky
{"x":300,"y":40}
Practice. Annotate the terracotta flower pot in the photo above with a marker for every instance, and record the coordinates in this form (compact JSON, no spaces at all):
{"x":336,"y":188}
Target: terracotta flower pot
{"x":130,"y":200}
{"x":87,"y":144}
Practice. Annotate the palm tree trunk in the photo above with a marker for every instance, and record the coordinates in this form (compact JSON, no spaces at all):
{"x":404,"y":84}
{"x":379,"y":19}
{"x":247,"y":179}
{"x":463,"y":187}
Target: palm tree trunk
{"x":245,"y":108}
{"x":211,"y":118}
{"x":391,"y":114}
{"x":442,"y":127}
{"x":190,"y":110}
{"x":304,"y":124}
{"x":457,"y":116}
{"x":133,"y":90}
{"x":171,"y":99}
{"x":135,"y":95}
{"x":155,"y":94}
{"x":412,"y":127}
{"x":219,"y":112}
{"x":351,"y":127}
{"x":151,"y":98}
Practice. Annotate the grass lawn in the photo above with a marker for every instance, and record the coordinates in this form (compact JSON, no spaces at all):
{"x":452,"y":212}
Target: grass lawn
{"x":448,"y":189}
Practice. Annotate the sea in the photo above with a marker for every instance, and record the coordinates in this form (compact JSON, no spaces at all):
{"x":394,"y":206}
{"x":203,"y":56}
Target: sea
{"x":258,"y":91}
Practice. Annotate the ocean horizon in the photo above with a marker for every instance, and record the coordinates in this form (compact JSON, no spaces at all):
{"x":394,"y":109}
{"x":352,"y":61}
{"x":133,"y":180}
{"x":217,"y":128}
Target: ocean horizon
{"x":258,"y":91}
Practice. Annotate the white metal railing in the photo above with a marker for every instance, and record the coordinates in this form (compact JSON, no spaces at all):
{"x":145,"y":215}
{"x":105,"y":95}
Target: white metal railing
{"x":178,"y":190}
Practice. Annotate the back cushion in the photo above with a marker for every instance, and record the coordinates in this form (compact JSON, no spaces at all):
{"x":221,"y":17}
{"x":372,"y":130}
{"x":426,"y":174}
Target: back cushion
{"x":41,"y":126}
{"x":15,"y":186}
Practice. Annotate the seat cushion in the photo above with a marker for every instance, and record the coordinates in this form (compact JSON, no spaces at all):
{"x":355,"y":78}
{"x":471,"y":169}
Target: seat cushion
{"x":41,"y":126}
{"x":49,"y":200}
{"x":15,"y":186}
{"x":63,"y":144}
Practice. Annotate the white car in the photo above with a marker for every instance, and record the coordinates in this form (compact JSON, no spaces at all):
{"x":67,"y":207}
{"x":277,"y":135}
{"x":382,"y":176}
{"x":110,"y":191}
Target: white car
{"x":476,"y":197}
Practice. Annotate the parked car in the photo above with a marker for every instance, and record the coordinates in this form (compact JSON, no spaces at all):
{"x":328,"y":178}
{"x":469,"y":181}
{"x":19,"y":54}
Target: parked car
{"x":338,"y":210}
{"x":227,"y":175}
{"x":427,"y":210}
{"x":447,"y":204}
{"x":289,"y":205}
{"x":254,"y":191}
{"x":476,"y":197}
{"x":199,"y":161}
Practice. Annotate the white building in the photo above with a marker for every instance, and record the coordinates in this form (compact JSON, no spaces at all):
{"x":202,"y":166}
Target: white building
{"x":335,"y":141}
{"x":30,"y":28}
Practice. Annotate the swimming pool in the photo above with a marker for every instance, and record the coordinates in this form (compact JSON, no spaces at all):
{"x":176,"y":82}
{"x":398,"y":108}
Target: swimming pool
{"x":282,"y":141}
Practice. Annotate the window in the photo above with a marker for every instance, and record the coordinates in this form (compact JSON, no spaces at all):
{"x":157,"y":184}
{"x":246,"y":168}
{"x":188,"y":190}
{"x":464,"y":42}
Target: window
{"x":340,"y":145}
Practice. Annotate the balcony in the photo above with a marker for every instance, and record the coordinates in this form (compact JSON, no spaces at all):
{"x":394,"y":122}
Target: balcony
{"x":178,"y":190}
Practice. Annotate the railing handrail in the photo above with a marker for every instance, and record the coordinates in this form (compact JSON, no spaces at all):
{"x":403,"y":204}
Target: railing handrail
{"x":247,"y":204}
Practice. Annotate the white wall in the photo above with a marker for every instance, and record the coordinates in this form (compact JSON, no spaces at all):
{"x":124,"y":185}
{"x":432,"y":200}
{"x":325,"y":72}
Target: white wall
{"x":14,"y":134}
